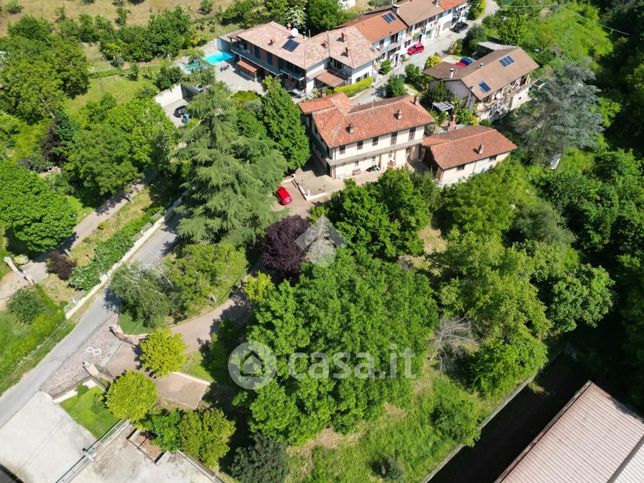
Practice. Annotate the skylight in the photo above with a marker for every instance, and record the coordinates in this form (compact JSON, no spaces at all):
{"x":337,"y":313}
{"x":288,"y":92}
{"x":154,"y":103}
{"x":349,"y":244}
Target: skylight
{"x":484,"y":87}
{"x":389,"y":17}
{"x":290,"y":45}
{"x":507,"y":60}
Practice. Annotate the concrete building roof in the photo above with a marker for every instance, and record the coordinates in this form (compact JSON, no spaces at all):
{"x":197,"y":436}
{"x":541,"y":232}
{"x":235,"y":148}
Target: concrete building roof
{"x":593,"y":439}
{"x":490,"y":73}
{"x":339,"y":122}
{"x":463,"y":146}
{"x":347,"y":45}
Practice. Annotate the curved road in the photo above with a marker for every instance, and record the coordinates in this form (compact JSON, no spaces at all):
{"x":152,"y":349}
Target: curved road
{"x":97,"y":313}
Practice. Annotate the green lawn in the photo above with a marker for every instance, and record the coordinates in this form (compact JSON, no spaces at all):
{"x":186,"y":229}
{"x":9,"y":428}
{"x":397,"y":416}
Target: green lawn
{"x":404,"y":435}
{"x":120,"y":87}
{"x":131,"y":326}
{"x":194,"y":367}
{"x":88,"y":410}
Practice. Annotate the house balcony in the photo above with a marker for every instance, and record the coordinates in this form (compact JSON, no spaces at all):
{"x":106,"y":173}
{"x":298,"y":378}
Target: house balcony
{"x":248,"y":55}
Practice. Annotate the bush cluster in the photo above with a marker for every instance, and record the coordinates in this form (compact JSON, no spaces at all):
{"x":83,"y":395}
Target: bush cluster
{"x":353,"y":89}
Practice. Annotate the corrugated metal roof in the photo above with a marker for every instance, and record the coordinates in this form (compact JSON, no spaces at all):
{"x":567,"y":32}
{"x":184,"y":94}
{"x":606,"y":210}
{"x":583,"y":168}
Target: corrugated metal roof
{"x":593,"y":439}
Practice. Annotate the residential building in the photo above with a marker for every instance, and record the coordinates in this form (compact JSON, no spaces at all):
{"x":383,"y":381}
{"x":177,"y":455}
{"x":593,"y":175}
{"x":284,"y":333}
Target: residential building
{"x":330,"y":59}
{"x":385,"y":30}
{"x":456,"y":155}
{"x":348,"y":139}
{"x":427,"y":19}
{"x":593,"y":439}
{"x":491,"y":86}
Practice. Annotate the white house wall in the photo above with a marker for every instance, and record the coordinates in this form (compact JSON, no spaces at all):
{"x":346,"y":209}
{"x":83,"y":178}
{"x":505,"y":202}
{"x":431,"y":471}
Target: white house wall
{"x":454,"y":175}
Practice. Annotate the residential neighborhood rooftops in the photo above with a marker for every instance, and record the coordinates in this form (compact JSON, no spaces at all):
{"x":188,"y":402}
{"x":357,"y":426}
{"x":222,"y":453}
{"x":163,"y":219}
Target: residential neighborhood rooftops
{"x":415,"y":11}
{"x":466,"y":145}
{"x":594,"y":438}
{"x":378,"y":25}
{"x":490,"y":73}
{"x":346,"y":45}
{"x":339,"y":122}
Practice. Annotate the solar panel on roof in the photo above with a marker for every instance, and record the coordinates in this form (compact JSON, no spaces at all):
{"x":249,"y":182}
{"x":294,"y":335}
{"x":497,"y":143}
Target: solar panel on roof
{"x":484,"y":87}
{"x":389,"y":17}
{"x":507,"y":60}
{"x":290,"y":45}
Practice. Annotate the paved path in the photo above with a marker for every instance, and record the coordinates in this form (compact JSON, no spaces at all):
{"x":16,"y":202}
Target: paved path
{"x":101,"y":309}
{"x":433,"y":46}
{"x":37,"y":269}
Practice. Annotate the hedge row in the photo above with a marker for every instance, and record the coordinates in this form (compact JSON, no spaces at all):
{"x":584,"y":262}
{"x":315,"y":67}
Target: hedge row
{"x":110,"y":251}
{"x":353,"y":89}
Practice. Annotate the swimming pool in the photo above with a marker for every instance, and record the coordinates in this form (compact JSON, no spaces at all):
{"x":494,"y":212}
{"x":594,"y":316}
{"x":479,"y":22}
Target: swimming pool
{"x":217,"y":56}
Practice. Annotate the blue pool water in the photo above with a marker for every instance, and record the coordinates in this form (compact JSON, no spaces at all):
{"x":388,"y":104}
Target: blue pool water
{"x":218,"y":56}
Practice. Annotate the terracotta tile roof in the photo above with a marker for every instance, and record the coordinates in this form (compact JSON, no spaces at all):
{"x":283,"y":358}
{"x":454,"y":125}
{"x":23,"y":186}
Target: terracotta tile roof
{"x":594,"y":438}
{"x":329,"y":78}
{"x":374,"y":26}
{"x":334,"y":114}
{"x":461,"y":146}
{"x":347,"y":45}
{"x":415,"y":11}
{"x":338,"y":101}
{"x":491,"y":72}
{"x":450,"y":4}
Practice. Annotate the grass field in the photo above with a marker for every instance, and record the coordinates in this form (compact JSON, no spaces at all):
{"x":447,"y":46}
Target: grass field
{"x":122,"y":88}
{"x":138,"y":14}
{"x":84,"y":252}
{"x":194,"y":367}
{"x":406,"y":435}
{"x":88,"y":410}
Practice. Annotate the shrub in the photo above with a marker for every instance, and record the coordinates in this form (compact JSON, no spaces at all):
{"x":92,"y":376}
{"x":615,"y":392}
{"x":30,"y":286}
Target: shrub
{"x":455,"y":414}
{"x":432,"y":60}
{"x":14,"y":7}
{"x":265,"y":460}
{"x":390,"y":470}
{"x":205,"y":435}
{"x":386,"y":67}
{"x":163,"y":352}
{"x":26,"y":304}
{"x":61,"y":265}
{"x":280,"y":251}
{"x":167,"y":77}
{"x":395,"y":86}
{"x":166,"y":428}
{"x":131,"y":396}
{"x":477,"y":7}
{"x":353,"y":89}
{"x":21,"y":260}
{"x":205,"y":7}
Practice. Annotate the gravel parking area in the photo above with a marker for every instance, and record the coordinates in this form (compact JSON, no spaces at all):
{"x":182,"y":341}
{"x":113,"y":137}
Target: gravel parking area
{"x":98,"y":349}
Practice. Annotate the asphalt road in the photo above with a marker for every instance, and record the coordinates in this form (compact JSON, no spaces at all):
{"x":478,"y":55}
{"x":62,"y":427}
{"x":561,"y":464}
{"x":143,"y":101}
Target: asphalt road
{"x":98,"y":312}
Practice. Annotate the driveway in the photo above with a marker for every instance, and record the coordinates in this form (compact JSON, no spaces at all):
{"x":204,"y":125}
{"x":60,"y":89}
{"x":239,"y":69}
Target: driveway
{"x":42,"y":441}
{"x":97,"y":313}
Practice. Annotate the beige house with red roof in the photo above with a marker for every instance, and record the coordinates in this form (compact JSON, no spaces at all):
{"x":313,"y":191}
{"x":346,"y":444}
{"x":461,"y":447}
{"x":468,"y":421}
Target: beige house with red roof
{"x":492,"y":85}
{"x":456,"y":155}
{"x":330,"y":59}
{"x":428,"y":19}
{"x":349,"y":139}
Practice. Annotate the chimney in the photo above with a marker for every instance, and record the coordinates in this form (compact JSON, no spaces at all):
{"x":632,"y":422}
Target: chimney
{"x":343,"y":36}
{"x":346,"y":51}
{"x":324,"y":44}
{"x":398,"y":114}
{"x":437,"y":3}
{"x":451,"y":72}
{"x":271,"y":41}
{"x":288,"y":25}
{"x":415,"y":100}
{"x":394,"y":7}
{"x":481,"y":64}
{"x":350,"y":128}
{"x":480,"y":149}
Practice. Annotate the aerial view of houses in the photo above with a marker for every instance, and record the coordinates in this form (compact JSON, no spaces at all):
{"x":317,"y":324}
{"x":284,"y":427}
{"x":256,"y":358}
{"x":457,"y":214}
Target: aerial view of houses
{"x":321,"y":240}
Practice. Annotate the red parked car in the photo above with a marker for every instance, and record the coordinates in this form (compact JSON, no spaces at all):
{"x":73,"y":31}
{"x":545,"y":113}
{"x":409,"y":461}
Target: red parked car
{"x":283,"y":196}
{"x":416,"y":49}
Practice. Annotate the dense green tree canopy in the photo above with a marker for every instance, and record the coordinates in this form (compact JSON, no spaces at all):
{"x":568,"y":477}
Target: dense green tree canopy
{"x":353,"y":306}
{"x":281,"y":116}
{"x":266,"y":461}
{"x":230,"y":178}
{"x":131,"y":396}
{"x":36,"y":215}
{"x":163,"y":352}
{"x":205,"y":434}
{"x":324,"y":15}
